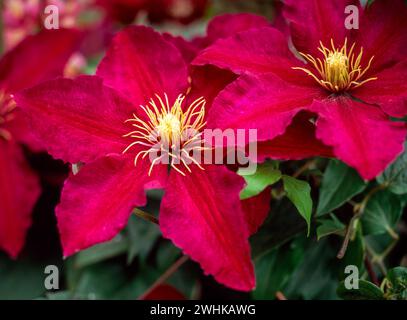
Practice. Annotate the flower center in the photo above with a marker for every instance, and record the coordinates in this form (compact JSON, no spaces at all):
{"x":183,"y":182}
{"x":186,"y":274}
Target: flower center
{"x":340,"y":69}
{"x":7,"y":106}
{"x":169,"y":132}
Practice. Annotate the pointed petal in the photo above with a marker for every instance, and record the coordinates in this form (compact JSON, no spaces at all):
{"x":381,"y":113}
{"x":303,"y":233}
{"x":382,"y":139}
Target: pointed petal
{"x":140,"y":64}
{"x":361,"y":135}
{"x":77,"y":120}
{"x":201,"y":213}
{"x":315,"y":21}
{"x":97,"y":202}
{"x":389,"y":91}
{"x":265,"y":103}
{"x":19,"y":191}
{"x":37,"y":58}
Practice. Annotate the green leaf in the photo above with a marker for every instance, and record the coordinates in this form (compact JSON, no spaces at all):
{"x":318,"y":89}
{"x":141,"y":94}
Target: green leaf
{"x":265,"y":175}
{"x":299,"y":192}
{"x":101,"y":252}
{"x":275,"y":269}
{"x":22,"y":279}
{"x":395,"y":176}
{"x":142,"y":236}
{"x":366,"y":291}
{"x":397,"y":283}
{"x":339,"y":184}
{"x":329,"y":225}
{"x":311,"y":280}
{"x":100,"y":281}
{"x":382,"y":213}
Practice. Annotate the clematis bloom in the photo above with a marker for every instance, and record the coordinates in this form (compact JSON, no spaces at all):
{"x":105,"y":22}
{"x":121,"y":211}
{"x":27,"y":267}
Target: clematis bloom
{"x":353,"y":80}
{"x":108,"y":122}
{"x":35,"y":59}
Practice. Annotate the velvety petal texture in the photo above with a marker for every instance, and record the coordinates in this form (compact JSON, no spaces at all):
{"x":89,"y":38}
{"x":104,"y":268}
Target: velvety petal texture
{"x":361,"y":135}
{"x":298,"y":142}
{"x":316,"y":20}
{"x":19,"y":190}
{"x":97,"y":202}
{"x":140,"y":64}
{"x":256,"y":51}
{"x":208,"y":224}
{"x":389,"y":91}
{"x":77,"y":120}
{"x":382,"y":32}
{"x":265,"y":103}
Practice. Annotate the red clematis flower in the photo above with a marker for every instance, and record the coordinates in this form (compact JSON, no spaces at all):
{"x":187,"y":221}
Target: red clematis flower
{"x":35,"y":59}
{"x":352,"y":79}
{"x":139,"y":88}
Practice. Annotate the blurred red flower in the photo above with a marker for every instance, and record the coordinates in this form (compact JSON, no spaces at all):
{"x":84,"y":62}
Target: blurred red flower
{"x":37,"y":58}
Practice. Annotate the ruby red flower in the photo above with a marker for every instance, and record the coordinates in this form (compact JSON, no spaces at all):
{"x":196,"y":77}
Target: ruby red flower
{"x":354,"y":80}
{"x":139,"y":89}
{"x":35,"y":59}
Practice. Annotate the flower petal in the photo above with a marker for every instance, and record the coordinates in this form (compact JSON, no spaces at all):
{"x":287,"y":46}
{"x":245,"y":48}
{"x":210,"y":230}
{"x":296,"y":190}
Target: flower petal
{"x":227,"y":25}
{"x":201,"y":87}
{"x":265,"y":103}
{"x":315,"y":21}
{"x":202,"y":214}
{"x":382,"y":32}
{"x":37,"y":58}
{"x":256,"y":210}
{"x":77,"y":120}
{"x":140,"y":64}
{"x":361,"y":135}
{"x":389,"y":91}
{"x":298,"y":142}
{"x":256,"y":51}
{"x":97,"y":202}
{"x":19,"y":190}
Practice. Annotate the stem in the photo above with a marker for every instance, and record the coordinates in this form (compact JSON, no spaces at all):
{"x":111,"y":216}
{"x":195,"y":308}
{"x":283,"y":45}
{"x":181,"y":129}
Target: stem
{"x":280,"y":296}
{"x":370,"y":271}
{"x":304,"y":168}
{"x":358,"y":210}
{"x":164,"y":277}
{"x":146,"y":216}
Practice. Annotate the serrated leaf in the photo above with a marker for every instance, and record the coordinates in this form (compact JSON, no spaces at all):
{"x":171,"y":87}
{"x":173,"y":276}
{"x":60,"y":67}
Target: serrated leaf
{"x":366,"y":291}
{"x":299,"y":192}
{"x":339,"y":184}
{"x":265,"y":175}
{"x":395,"y":176}
{"x":382,"y":213}
{"x":329,"y":225}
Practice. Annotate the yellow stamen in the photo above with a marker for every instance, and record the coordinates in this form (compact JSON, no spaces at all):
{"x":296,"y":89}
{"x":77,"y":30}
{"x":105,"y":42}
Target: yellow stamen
{"x":169,"y":131}
{"x":340,"y":70}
